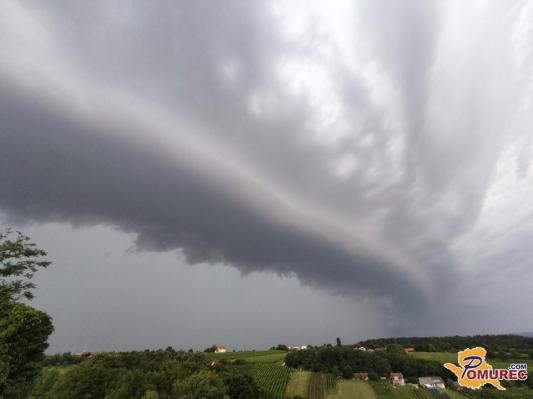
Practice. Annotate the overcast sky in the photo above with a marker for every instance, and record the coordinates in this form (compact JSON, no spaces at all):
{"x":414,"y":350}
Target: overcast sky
{"x":252,"y":172}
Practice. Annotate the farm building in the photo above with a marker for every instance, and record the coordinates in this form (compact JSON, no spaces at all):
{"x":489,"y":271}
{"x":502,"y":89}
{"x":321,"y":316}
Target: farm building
{"x":408,"y":350}
{"x":432,"y":382}
{"x":396,"y":379}
{"x":297,"y":348}
{"x":220,"y":349}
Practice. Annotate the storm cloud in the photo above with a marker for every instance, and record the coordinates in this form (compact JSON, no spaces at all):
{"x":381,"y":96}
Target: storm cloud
{"x":377,"y":151}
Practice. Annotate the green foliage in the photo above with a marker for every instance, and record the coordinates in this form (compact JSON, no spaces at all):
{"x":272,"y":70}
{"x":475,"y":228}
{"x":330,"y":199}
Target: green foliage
{"x":493,"y":343}
{"x":490,"y":393}
{"x":19,"y":260}
{"x":395,"y":348}
{"x":272,"y":378}
{"x":23,"y":335}
{"x":331,"y":382}
{"x":385,"y":390}
{"x":348,"y":361}
{"x":161,"y":374}
{"x":243,"y":386}
{"x":204,"y":384}
{"x":151,"y":395}
{"x":271,"y":356}
{"x":63,"y":359}
{"x":317,"y":386}
{"x":211,"y":349}
{"x":23,"y":330}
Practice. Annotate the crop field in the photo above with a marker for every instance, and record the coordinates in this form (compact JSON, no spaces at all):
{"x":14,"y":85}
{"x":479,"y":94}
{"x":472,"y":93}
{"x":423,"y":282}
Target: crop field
{"x":272,"y":378}
{"x":331,"y":383}
{"x":352,"y":389}
{"x":385,"y":390}
{"x":298,"y":383}
{"x":511,"y":393}
{"x":272,"y":356}
{"x":317,"y":386}
{"x":455,"y":394}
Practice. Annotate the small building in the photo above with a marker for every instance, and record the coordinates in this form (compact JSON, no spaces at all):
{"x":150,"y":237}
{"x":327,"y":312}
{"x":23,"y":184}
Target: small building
{"x":361,"y":348}
{"x":396,"y":379}
{"x":220,"y":349}
{"x":361,"y":376}
{"x":432,"y":382}
{"x":297,"y":348}
{"x":408,"y":350}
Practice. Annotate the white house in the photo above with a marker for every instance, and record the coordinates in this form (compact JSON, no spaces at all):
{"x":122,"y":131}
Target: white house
{"x":432,"y":382}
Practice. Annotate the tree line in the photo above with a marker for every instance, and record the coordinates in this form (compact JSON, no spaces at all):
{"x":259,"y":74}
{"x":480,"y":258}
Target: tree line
{"x":160,"y":374}
{"x":345,"y":361}
{"x":498,"y":345}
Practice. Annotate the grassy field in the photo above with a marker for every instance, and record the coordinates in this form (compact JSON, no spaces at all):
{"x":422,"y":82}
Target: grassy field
{"x":298,"y":383}
{"x":384,"y":390}
{"x":272,"y":378}
{"x":441,"y":357}
{"x":352,"y":389}
{"x":272,"y":356}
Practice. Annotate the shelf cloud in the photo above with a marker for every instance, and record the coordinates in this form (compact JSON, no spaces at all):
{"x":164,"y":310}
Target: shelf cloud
{"x":376,"y":151}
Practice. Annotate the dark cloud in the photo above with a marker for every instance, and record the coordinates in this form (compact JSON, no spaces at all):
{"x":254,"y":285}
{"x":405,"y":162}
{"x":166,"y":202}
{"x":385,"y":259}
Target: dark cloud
{"x":364,"y":148}
{"x":74,"y":175}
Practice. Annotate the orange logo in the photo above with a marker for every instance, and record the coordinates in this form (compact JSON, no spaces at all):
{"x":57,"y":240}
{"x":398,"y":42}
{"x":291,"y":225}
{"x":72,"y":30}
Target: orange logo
{"x":474,"y":371}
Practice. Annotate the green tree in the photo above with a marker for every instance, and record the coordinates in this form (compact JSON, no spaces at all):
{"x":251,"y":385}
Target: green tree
{"x":211,"y":349}
{"x":19,"y":260}
{"x":204,"y":385}
{"x":347,"y":372}
{"x":23,"y":335}
{"x":395,"y":348}
{"x":241,"y":386}
{"x":339,"y":341}
{"x":23,"y":330}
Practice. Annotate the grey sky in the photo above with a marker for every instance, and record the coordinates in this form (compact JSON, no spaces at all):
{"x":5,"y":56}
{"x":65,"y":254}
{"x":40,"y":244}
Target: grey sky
{"x":369,"y":159}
